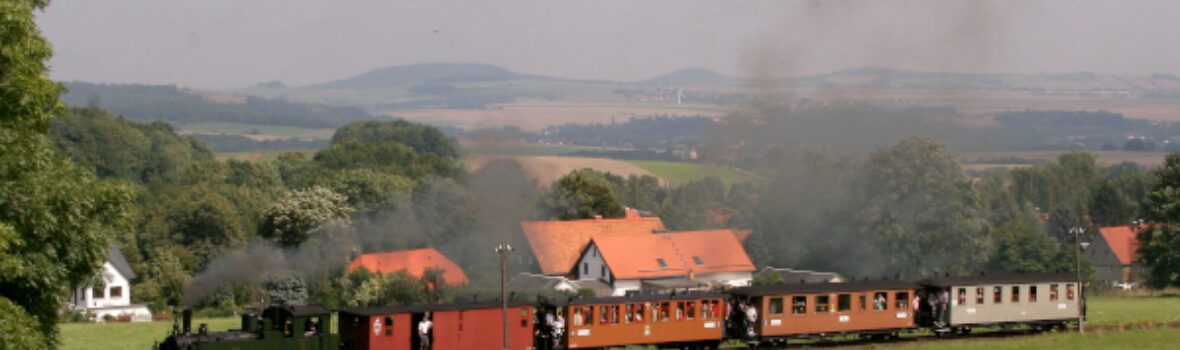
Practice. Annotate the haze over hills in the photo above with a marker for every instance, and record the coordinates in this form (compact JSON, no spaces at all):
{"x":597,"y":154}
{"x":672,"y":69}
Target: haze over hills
{"x":427,"y":73}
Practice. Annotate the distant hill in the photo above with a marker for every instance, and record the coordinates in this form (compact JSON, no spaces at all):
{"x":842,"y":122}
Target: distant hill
{"x":690,"y":76}
{"x":148,"y":103}
{"x":428,"y":73}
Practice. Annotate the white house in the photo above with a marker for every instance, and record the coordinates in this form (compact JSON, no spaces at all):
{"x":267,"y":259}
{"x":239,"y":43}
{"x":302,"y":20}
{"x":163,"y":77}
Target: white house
{"x":692,"y":260}
{"x":114,"y":298}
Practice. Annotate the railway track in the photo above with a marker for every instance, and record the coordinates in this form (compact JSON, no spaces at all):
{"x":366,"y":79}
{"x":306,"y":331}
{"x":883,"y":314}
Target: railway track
{"x":989,"y":334}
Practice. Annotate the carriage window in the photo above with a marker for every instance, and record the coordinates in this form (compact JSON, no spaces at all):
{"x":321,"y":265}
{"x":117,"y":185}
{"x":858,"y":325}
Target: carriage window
{"x":1032,"y":293}
{"x":844,"y":302}
{"x":630,"y":315}
{"x":389,"y":321}
{"x":679,"y":310}
{"x":798,"y":305}
{"x":998,"y":296}
{"x":691,"y":310}
{"x":603,"y":317}
{"x":776,"y":306}
{"x":962,"y":296}
{"x":1015,"y":294}
{"x":1069,"y":291}
{"x":903,"y":300}
{"x":862,"y":302}
{"x":879,"y":301}
{"x":823,"y":303}
{"x":1052,"y":292}
{"x":717,"y":309}
{"x":614,"y":314}
{"x":664,"y":308}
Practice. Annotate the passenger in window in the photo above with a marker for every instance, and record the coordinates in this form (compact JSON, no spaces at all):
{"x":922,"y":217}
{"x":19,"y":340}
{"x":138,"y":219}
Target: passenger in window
{"x":1052,"y":292}
{"x":639,"y":313}
{"x":603,"y":316}
{"x":577,"y":318}
{"x":879,"y":301}
{"x":630,"y":313}
{"x":751,"y":319}
{"x":962,"y":296}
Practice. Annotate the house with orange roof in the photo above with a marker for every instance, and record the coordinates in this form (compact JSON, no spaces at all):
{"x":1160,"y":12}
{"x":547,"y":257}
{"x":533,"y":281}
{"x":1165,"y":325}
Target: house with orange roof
{"x":415,"y":262}
{"x":660,"y":262}
{"x":1112,"y":255}
{"x":557,"y":245}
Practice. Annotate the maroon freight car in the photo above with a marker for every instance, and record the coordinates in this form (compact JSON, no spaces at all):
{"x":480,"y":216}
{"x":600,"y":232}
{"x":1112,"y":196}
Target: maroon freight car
{"x":456,"y":326}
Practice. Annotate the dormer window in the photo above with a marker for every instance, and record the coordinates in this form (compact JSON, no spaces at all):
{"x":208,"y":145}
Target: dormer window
{"x":663,"y":265}
{"x":697,"y":259}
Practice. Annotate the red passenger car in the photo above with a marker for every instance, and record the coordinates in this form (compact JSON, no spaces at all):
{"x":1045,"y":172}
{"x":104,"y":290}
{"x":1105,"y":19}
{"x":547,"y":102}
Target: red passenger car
{"x":456,"y":326}
{"x":813,"y":310}
{"x":693,"y":318}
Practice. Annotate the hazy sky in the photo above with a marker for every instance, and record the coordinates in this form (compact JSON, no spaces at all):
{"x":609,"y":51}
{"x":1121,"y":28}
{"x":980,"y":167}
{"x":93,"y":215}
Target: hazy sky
{"x":234,"y":43}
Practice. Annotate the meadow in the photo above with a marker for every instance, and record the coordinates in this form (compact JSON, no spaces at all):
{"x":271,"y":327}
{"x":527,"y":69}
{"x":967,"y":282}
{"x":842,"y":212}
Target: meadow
{"x":255,"y":129}
{"x":678,"y":173}
{"x":260,"y":155}
{"x":86,"y":336}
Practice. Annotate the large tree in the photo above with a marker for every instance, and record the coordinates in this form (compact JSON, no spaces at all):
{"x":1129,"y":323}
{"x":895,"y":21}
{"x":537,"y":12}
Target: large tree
{"x":577,"y":196}
{"x":55,"y":217}
{"x":293,"y":218}
{"x":1160,"y":244}
{"x":922,"y":210}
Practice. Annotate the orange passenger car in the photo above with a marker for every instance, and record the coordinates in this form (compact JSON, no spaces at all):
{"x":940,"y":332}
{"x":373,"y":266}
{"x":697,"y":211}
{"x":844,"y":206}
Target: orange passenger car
{"x":816,"y":310}
{"x":694,"y":318}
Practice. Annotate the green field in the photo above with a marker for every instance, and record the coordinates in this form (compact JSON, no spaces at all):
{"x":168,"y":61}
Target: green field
{"x":253,"y":129}
{"x":1104,"y":310}
{"x":680,"y":173}
{"x":530,"y":149}
{"x":1158,"y":338}
{"x":84,"y":336}
{"x":261,"y":155}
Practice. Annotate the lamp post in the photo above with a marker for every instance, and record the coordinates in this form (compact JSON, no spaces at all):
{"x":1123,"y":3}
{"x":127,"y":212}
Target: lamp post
{"x":503,"y":250}
{"x":1077,"y":234}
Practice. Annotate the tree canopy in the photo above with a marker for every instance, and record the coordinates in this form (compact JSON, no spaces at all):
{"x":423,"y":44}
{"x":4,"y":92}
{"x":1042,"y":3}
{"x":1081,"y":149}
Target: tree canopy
{"x":1160,"y":243}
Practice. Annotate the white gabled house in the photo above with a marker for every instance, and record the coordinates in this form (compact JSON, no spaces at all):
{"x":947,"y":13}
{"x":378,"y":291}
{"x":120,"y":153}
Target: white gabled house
{"x":114,"y":298}
{"x":689,"y":260}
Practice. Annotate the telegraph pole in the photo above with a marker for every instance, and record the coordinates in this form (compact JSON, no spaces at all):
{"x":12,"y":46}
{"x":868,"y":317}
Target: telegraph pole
{"x":503,"y":250}
{"x":1077,"y":243}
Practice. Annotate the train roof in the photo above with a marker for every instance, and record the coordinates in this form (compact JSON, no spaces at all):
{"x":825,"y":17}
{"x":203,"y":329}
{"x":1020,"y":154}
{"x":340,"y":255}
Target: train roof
{"x":301,"y":310}
{"x":404,"y":309}
{"x":805,"y":288}
{"x":998,"y":279}
{"x":639,"y":298}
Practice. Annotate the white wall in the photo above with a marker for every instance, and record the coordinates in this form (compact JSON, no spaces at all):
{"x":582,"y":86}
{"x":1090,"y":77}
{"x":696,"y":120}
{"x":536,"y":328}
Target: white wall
{"x":732,"y":279}
{"x":89,"y":297}
{"x":620,"y":287}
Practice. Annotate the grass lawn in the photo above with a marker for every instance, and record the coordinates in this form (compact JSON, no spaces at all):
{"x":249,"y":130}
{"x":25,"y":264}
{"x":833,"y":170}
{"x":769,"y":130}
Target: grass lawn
{"x":79,"y":336}
{"x":1158,"y":338}
{"x":238,"y":128}
{"x":680,"y":173}
{"x":1108,"y":310}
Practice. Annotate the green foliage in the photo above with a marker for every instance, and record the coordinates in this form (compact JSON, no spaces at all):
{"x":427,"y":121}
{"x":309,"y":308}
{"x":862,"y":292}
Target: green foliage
{"x":420,"y":138}
{"x":293,"y":218}
{"x":366,"y":188}
{"x":1160,"y":244}
{"x":388,"y":157}
{"x":922,"y":210}
{"x":117,"y":148}
{"x":577,"y":196}
{"x":162,"y":283}
{"x":363,"y":288}
{"x":14,"y":331}
{"x":55,"y":218}
{"x":286,"y":290}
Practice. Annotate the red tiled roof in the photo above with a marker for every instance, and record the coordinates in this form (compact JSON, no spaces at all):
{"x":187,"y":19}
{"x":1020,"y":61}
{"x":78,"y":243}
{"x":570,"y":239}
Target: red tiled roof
{"x":630,"y":257}
{"x":558,"y":244}
{"x":1122,"y":242}
{"x":415,"y":262}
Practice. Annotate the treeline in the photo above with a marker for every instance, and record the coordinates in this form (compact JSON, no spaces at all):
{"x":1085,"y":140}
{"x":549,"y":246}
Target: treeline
{"x":149,"y":103}
{"x":236,"y":143}
{"x":375,"y":192}
{"x":906,"y":210}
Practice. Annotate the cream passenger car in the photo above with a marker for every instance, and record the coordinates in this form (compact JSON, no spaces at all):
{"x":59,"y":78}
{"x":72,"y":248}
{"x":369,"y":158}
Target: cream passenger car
{"x":1039,"y":300}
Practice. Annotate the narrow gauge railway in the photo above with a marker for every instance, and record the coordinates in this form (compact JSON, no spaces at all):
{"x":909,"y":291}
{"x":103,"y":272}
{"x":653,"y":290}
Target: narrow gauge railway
{"x":758,"y":316}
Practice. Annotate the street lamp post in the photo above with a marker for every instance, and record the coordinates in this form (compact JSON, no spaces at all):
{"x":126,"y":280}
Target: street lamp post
{"x":503,"y":250}
{"x":1077,"y":234}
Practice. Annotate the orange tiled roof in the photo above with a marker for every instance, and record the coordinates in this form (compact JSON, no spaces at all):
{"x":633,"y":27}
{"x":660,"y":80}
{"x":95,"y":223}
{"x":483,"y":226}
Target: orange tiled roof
{"x":631,"y":257}
{"x":558,"y":244}
{"x":1122,"y":242}
{"x":414,"y":262}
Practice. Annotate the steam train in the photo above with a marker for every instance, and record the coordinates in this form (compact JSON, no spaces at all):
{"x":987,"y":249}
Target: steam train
{"x":694,"y":320}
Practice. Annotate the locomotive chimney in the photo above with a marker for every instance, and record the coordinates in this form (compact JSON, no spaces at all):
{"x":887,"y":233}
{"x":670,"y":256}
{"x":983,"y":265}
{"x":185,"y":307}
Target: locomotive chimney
{"x":187,"y":321}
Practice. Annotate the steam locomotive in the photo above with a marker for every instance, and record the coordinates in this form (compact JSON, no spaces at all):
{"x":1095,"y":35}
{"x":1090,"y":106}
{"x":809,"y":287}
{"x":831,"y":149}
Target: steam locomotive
{"x":756,"y":315}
